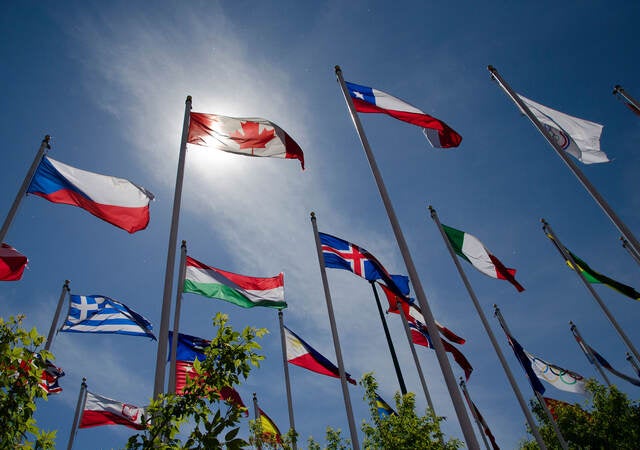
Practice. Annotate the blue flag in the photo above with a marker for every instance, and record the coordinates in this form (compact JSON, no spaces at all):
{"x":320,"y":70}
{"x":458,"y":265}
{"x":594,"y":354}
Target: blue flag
{"x":189,"y":348}
{"x":384,"y":410}
{"x":100,"y":314}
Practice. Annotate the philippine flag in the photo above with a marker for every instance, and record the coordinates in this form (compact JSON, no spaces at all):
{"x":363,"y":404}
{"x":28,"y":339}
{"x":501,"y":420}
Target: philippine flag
{"x":114,"y":200}
{"x":370,"y":100}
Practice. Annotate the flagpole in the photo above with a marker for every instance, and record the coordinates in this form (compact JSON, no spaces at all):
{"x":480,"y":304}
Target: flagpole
{"x":56,"y":315}
{"x":567,"y":257}
{"x":79,"y":410}
{"x":632,"y":252}
{"x":161,"y":358}
{"x":463,"y":386}
{"x":256,"y":415}
{"x":432,"y":329}
{"x":334,"y":333}
{"x":412,"y":346}
{"x":287,"y":383}
{"x":392,"y":350}
{"x":489,"y":331}
{"x":633,"y":363}
{"x":619,"y":90}
{"x":626,"y":232}
{"x":541,"y":401}
{"x":587,"y":351}
{"x":25,"y":185}
{"x":176,"y":317}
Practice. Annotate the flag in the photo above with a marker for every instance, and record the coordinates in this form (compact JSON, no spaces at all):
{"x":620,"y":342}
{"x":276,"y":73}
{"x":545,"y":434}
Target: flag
{"x":189,"y":348}
{"x":578,"y":137}
{"x":526,"y":364}
{"x":483,"y":424}
{"x":49,"y":378}
{"x":594,"y":277}
{"x":12,"y":263}
{"x":604,"y":363}
{"x":563,"y":379}
{"x":240,"y":290}
{"x":370,"y":100}
{"x":384,"y":410}
{"x":268,"y":427}
{"x":242,"y":135}
{"x":99,"y":314}
{"x":115,"y":200}
{"x":470,"y":248}
{"x":341,"y":254}
{"x":99,"y":410}
{"x":299,"y":353}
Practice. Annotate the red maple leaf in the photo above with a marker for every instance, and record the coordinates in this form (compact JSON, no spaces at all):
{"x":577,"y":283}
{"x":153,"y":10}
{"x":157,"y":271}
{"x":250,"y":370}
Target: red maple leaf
{"x":251,"y":137}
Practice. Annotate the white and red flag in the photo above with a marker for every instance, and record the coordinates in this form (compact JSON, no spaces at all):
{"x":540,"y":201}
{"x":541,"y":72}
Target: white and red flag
{"x":99,"y":410}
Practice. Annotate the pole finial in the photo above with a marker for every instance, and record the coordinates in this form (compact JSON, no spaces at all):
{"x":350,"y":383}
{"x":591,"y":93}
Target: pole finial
{"x":313,"y":215}
{"x":431,"y":210}
{"x":184,"y":243}
{"x":189,"y":99}
{"x":337,"y":68}
{"x":84,"y":381}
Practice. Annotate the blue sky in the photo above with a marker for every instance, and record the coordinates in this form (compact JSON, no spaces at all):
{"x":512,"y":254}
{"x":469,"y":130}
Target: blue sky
{"x":108,"y":82}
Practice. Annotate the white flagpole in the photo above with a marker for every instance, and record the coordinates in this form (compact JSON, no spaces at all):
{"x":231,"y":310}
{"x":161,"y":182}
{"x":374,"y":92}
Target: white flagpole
{"x":489,"y":331}
{"x":587,"y":351}
{"x":450,"y":381}
{"x":287,"y":383}
{"x":176,"y":317}
{"x":463,"y":387}
{"x":568,"y":161}
{"x":567,"y":257}
{"x":23,"y":188}
{"x":161,"y":358}
{"x":541,"y":401}
{"x":336,"y":341}
{"x":56,"y":315}
{"x":82,"y":396}
{"x":619,"y":90}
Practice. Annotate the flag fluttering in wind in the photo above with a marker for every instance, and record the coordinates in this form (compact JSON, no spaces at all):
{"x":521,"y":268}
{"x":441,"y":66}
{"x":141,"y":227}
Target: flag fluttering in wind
{"x":242,"y":135}
{"x":470,"y":248}
{"x":370,"y":100}
{"x":100,"y":314}
{"x":604,"y":363}
{"x":115,"y":200}
{"x":269,"y":429}
{"x":578,"y":137}
{"x":558,"y":377}
{"x":241,"y":290}
{"x":49,"y":378}
{"x":526,"y":364}
{"x":483,"y":423}
{"x":99,"y":410}
{"x":12,"y":263}
{"x":384,"y":410}
{"x":301,"y":354}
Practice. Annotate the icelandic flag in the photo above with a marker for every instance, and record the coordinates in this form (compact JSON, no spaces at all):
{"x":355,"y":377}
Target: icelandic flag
{"x":100,"y":314}
{"x":301,"y":354}
{"x":99,"y":410}
{"x":370,"y":100}
{"x":115,"y":200}
{"x":341,"y":254}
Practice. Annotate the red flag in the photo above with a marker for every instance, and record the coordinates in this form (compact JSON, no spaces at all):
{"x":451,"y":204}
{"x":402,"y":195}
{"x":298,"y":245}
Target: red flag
{"x":12,"y":263}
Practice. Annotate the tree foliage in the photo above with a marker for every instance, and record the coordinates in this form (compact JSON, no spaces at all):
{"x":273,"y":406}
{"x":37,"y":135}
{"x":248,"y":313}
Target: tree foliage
{"x":607,"y":420}
{"x":212,"y":423}
{"x":20,"y":374}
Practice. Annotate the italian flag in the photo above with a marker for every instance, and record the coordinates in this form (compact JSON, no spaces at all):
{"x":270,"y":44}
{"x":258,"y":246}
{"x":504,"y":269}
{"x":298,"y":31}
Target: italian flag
{"x":471,"y":249}
{"x":240,"y":290}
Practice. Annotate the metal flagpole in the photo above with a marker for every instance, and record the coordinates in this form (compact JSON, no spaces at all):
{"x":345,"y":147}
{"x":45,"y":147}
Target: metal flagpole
{"x":463,"y":386}
{"x":633,"y":102}
{"x":394,"y":357}
{"x":287,"y":383}
{"x":452,"y":387}
{"x":79,"y":410}
{"x":176,"y":317}
{"x":161,"y":359}
{"x":256,"y":415}
{"x":23,"y":188}
{"x":568,"y":161}
{"x":412,"y":346}
{"x":587,"y":351}
{"x":334,"y":333}
{"x":632,"y":252}
{"x":567,"y":257}
{"x":633,"y":363}
{"x":489,"y":331}
{"x":56,"y":315}
{"x":541,"y":401}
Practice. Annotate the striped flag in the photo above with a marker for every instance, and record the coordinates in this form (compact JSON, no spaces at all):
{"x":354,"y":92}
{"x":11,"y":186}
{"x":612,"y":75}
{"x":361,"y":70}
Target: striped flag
{"x":99,"y":410}
{"x":100,"y":314}
{"x":270,"y":431}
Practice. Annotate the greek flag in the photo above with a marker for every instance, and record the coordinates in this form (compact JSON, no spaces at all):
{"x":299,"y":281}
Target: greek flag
{"x":100,"y":314}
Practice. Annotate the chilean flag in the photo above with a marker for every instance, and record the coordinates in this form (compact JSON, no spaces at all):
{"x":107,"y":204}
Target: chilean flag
{"x":370,"y":100}
{"x":301,"y":354}
{"x":114,"y":200}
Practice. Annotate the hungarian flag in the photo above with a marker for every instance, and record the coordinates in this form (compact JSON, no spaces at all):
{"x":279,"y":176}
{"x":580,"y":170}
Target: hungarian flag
{"x":99,"y":410}
{"x":12,"y":263}
{"x":470,"y":248}
{"x":242,"y":135}
{"x":299,"y":353}
{"x":241,"y":290}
